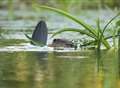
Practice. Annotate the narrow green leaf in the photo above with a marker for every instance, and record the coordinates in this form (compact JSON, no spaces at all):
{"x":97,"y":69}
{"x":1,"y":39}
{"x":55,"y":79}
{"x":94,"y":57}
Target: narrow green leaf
{"x":98,"y":27}
{"x":80,"y":22}
{"x":102,"y":34}
{"x":109,"y":22}
{"x":91,"y":42}
{"x":99,"y":31}
{"x":73,"y":30}
{"x":118,"y":23}
{"x":38,"y":43}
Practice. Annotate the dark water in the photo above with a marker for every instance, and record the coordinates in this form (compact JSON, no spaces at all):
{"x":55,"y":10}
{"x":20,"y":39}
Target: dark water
{"x":58,"y":70}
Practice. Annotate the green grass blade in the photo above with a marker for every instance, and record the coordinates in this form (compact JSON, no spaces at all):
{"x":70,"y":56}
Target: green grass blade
{"x":99,"y":40}
{"x":112,"y":36}
{"x":38,"y":43}
{"x":118,"y":23}
{"x":73,"y":30}
{"x":99,"y":32}
{"x":102,"y":34}
{"x":98,"y":27}
{"x":80,"y":22}
{"x":105,"y":42}
{"x":109,"y":22}
{"x":91,"y":42}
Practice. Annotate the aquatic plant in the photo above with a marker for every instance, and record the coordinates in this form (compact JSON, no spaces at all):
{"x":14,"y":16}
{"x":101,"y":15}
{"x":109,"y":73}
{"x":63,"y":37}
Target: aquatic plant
{"x":96,"y":33}
{"x":38,"y":43}
{"x":118,"y":26}
{"x":10,"y":9}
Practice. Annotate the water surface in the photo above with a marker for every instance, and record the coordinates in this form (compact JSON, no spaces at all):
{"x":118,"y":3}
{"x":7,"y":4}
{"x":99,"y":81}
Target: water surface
{"x":26,"y":66}
{"x":30,"y":69}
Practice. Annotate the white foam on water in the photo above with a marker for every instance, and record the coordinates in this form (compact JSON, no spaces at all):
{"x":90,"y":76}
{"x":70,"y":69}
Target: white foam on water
{"x":74,"y":57}
{"x":29,"y":47}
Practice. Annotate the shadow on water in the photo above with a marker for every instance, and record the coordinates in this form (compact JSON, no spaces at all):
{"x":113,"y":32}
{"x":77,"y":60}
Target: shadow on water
{"x":66,"y":71}
{"x":57,"y":70}
{"x":21,"y":68}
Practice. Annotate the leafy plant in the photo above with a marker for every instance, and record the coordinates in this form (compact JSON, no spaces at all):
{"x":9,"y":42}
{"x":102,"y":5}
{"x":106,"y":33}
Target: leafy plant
{"x":118,"y":26}
{"x":97,"y":34}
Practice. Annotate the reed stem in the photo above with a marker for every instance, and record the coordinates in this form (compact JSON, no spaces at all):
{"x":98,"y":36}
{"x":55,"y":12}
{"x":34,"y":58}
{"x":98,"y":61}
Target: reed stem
{"x":119,"y":52}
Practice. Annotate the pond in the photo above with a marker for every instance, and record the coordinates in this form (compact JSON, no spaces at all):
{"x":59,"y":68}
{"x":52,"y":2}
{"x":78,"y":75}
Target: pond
{"x":26,"y":66}
{"x":33,"y":69}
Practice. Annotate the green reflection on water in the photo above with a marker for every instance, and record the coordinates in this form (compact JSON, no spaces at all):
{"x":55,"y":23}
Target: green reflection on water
{"x":57,"y":70}
{"x":8,"y":42}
